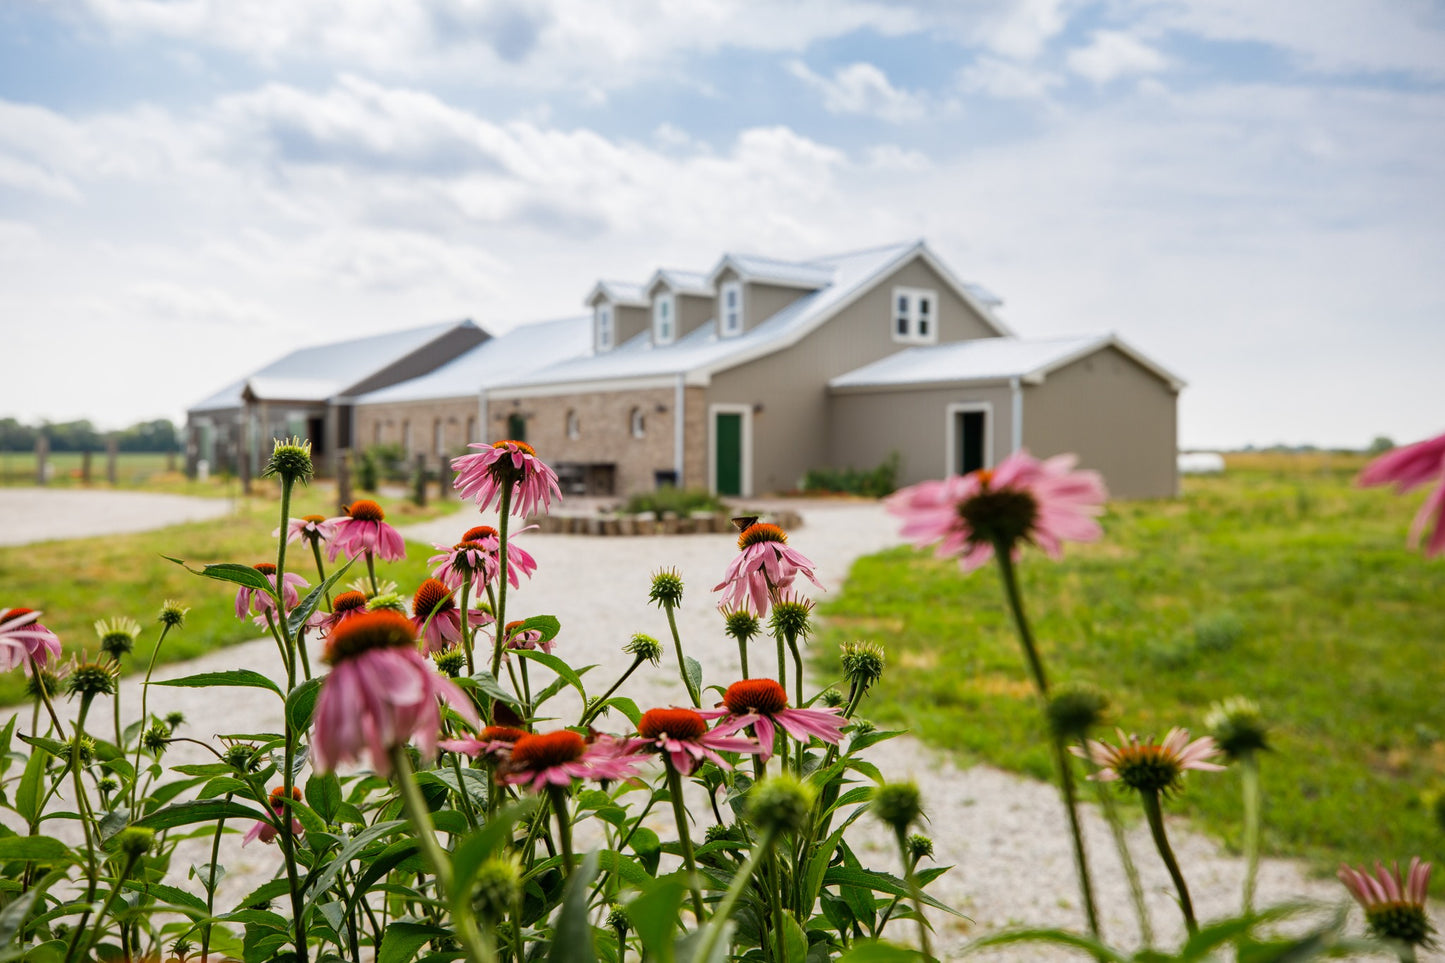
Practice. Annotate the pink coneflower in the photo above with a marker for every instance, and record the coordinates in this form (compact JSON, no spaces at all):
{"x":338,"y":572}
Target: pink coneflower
{"x":1394,"y":905}
{"x":267,"y":831}
{"x":1022,"y":500}
{"x":520,"y":638}
{"x":556,"y":758}
{"x":434,"y":608}
{"x":249,"y":599}
{"x":1146,"y":766}
{"x":380,"y":693}
{"x":683,"y":736}
{"x":493,"y":742}
{"x":313,"y":529}
{"x":344,"y":606}
{"x":764,"y":566}
{"x":763,"y":705}
{"x":1409,"y":468}
{"x":510,"y":466}
{"x":22,"y":637}
{"x":363,"y":529}
{"x":475,"y":558}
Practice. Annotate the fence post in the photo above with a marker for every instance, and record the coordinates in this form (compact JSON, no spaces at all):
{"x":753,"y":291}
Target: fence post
{"x":111,"y":456}
{"x":343,"y":479}
{"x":418,"y":481}
{"x":42,"y":451}
{"x":444,"y":476}
{"x":85,"y":467}
{"x":243,"y":467}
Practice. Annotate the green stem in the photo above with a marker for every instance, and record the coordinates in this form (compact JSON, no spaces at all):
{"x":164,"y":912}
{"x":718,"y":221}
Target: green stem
{"x":320,"y":566}
{"x":916,"y":892}
{"x":684,"y":837}
{"x":371,"y":572}
{"x":211,"y":887}
{"x":775,"y":904}
{"x":743,"y":654}
{"x":589,"y":714}
{"x":87,"y":818}
{"x":467,"y":624}
{"x":288,"y":846}
{"x":145,"y":691}
{"x":558,"y":796}
{"x":1131,"y":872}
{"x":1155,"y":815}
{"x":504,"y":508}
{"x":740,"y":882}
{"x":798,"y":699}
{"x":1249,"y":774}
{"x":681,"y":664}
{"x":45,"y":698}
{"x":95,"y":931}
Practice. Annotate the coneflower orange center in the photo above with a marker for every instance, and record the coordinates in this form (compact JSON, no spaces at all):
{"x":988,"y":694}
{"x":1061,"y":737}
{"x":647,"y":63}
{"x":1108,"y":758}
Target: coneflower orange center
{"x":985,"y":476}
{"x":280,"y":791}
{"x":755,"y":695}
{"x":479,"y":533}
{"x":366,"y":510}
{"x":347,"y":601}
{"x":14,"y":614}
{"x":761,"y":532}
{"x":382,"y":629}
{"x":678,"y":723}
{"x":314,"y":519}
{"x":265,"y":568}
{"x":433,"y":596}
{"x":521,"y":446}
{"x":547,"y":749}
{"x":501,"y":734}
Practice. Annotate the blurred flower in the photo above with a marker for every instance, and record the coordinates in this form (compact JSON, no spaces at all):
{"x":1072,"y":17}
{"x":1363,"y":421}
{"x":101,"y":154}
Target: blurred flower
{"x":644,"y":648}
{"x":265,"y":830}
{"x":1022,"y":500}
{"x":511,"y":466}
{"x":898,"y":804}
{"x":173,"y":614}
{"x":380,"y":693}
{"x":1238,"y":726}
{"x":764,"y":566}
{"x":363,"y":529}
{"x":1075,"y":708}
{"x":433,"y":607}
{"x":313,"y":529}
{"x":475,"y":557}
{"x":556,"y":758}
{"x":782,"y":804}
{"x":22,"y":637}
{"x":683,"y":736}
{"x":117,"y":635}
{"x":1148,"y":767}
{"x":343,"y":606}
{"x":1394,"y":905}
{"x":1409,"y":468}
{"x":493,"y":742}
{"x":762,"y":704}
{"x":249,"y":599}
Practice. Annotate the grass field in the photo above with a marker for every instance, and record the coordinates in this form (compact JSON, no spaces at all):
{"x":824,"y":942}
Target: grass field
{"x":1279,"y":580}
{"x":134,"y":470}
{"x":76,"y":582}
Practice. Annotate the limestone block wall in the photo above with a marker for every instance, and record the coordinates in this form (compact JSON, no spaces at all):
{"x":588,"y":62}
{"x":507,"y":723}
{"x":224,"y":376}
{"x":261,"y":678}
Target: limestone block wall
{"x":418,"y":425}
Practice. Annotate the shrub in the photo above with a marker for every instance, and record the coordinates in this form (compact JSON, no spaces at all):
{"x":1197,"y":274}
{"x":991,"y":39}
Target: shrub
{"x":871,"y":483}
{"x":679,"y":501}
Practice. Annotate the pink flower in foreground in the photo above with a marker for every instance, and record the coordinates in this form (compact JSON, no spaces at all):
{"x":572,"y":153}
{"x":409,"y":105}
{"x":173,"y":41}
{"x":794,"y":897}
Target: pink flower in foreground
{"x":266,"y":831}
{"x":493,"y":742}
{"x":316,"y":529}
{"x":1022,"y":500}
{"x":1394,"y":905}
{"x":380,"y":693}
{"x":344,"y":606}
{"x":763,"y":705}
{"x":1408,"y":468}
{"x":683,"y":737}
{"x":475,"y":557}
{"x":22,"y":637}
{"x":556,"y":758}
{"x":363,"y":529}
{"x":507,"y":466}
{"x":764,"y":566}
{"x":434,"y":608}
{"x":249,"y":599}
{"x":1146,"y":766}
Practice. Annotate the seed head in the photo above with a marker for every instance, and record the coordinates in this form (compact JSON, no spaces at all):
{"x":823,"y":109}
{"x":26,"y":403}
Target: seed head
{"x":173,"y":614}
{"x":85,"y":748}
{"x":617,"y":920}
{"x":1075,"y":709}
{"x":644,"y":647}
{"x":1238,"y":726}
{"x":90,"y":679}
{"x":362,"y":584}
{"x":740,"y":624}
{"x":782,"y":804}
{"x":497,"y":886}
{"x":666,"y":588}
{"x":107,"y":785}
{"x":790,"y":617}
{"x":831,"y":698}
{"x":899,"y":804}
{"x":174,"y":720}
{"x":291,"y":460}
{"x":861,"y":727}
{"x":863,"y":663}
{"x":919,"y":847}
{"x":156,"y":738}
{"x":450,"y":662}
{"x":117,"y":635}
{"x":48,"y":679}
{"x":242,"y":757}
{"x":134,"y":841}
{"x":388,"y":601}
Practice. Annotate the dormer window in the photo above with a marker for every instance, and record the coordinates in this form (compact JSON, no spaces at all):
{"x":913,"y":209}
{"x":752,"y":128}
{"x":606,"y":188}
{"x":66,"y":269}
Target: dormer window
{"x":730,"y":309}
{"x":915,"y":316}
{"x":664,"y":322}
{"x":604,"y":327}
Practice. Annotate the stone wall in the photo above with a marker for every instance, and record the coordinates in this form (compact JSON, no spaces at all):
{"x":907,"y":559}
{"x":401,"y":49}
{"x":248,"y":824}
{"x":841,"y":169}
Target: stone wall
{"x":391,"y":423}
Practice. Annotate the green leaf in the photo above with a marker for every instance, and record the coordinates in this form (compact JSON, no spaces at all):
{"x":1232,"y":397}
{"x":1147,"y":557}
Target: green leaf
{"x":572,"y":936}
{"x":882,"y":883}
{"x":12,"y":918}
{"x":654,"y":915}
{"x":694,"y":672}
{"x":187,"y":903}
{"x":486,"y":683}
{"x":403,"y":940}
{"x":473,"y":849}
{"x":307,"y":606}
{"x":687,"y":945}
{"x":302,"y":702}
{"x":626,"y":706}
{"x":319,"y":882}
{"x":546,"y":624}
{"x":625,"y":867}
{"x":228,"y":572}
{"x":556,"y":665}
{"x":58,"y":749}
{"x":323,"y":794}
{"x":795,"y":941}
{"x":877,"y":952}
{"x":30,"y":793}
{"x":233,"y":678}
{"x":1009,"y":937}
{"x":199,"y":811}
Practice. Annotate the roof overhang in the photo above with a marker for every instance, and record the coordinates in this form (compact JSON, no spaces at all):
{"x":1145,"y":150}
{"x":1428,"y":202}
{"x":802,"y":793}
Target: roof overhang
{"x":756,"y":277}
{"x":502,"y":392}
{"x":677,"y":284}
{"x":1110,"y":340}
{"x":606,"y":291}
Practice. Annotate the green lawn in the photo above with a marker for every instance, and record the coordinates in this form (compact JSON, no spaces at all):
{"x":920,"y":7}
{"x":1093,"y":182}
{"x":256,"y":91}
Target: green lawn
{"x":1279,"y":580}
{"x":76,"y":582}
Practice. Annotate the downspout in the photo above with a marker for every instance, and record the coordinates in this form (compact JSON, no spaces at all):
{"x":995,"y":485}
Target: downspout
{"x":1017,"y":421}
{"x":678,"y":424}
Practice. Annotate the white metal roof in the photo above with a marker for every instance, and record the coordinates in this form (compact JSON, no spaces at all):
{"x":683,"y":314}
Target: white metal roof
{"x":519,"y":351}
{"x":987,"y":359}
{"x":618,"y":292}
{"x":768,"y":270}
{"x":324,"y":370}
{"x":683,"y":282}
{"x":701,"y":353}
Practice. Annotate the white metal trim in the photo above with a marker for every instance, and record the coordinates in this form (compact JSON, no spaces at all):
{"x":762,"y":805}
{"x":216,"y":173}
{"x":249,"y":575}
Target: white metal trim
{"x":1016,"y":428}
{"x":679,"y":426}
{"x":950,"y":445}
{"x":559,"y":388}
{"x":713,"y":410}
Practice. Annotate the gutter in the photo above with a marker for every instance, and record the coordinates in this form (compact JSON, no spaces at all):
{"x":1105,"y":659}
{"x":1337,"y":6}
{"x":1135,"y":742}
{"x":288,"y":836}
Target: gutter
{"x":1017,"y":421}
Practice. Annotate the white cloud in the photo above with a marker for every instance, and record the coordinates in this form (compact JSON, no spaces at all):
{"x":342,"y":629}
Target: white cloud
{"x":1021,"y":29}
{"x":1111,"y":54}
{"x":1007,"y":80}
{"x":165,"y":301}
{"x":863,"y":89}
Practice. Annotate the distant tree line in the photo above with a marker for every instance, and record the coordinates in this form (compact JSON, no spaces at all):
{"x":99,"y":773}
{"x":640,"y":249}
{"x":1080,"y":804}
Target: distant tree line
{"x":160,"y":435}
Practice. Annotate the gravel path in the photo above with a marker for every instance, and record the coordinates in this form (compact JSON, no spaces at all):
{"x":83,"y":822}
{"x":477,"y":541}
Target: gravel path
{"x":1004,"y":834}
{"x":41,"y":514}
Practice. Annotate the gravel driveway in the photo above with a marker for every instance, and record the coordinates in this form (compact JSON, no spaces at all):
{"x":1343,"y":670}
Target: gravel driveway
{"x":42,"y":514}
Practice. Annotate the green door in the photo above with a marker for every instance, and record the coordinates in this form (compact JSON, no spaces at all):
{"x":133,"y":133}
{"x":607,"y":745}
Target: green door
{"x":728,"y":441}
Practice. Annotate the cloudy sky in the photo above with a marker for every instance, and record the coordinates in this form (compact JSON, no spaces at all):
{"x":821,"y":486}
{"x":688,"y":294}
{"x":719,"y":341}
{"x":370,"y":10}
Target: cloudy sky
{"x":1252,"y":193}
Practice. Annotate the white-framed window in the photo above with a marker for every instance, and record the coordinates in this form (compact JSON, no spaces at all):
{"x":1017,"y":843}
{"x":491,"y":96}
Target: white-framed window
{"x":730,"y":309}
{"x":574,"y":426}
{"x":664,"y":322}
{"x":914,"y":317}
{"x":637,"y":423}
{"x":604,"y":327}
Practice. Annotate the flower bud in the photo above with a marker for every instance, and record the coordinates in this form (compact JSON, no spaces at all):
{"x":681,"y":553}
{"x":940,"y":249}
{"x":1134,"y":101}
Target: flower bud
{"x":291,"y":460}
{"x":831,"y":698}
{"x":617,"y":920}
{"x":48,"y":679}
{"x":91,"y":679}
{"x":644,"y":647}
{"x":174,"y":720}
{"x":242,"y":757}
{"x":84,"y":747}
{"x":156,"y":738}
{"x":107,"y":785}
{"x":1075,"y":709}
{"x":863,"y":663}
{"x":134,"y":841}
{"x":496,"y":888}
{"x":450,"y":662}
{"x":117,"y":636}
{"x":740,"y":624}
{"x":919,"y":847}
{"x":782,"y":804}
{"x":791,"y":617}
{"x":1238,"y":727}
{"x":899,"y":804}
{"x":387,"y":601}
{"x":666,"y":588}
{"x":173,"y":614}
